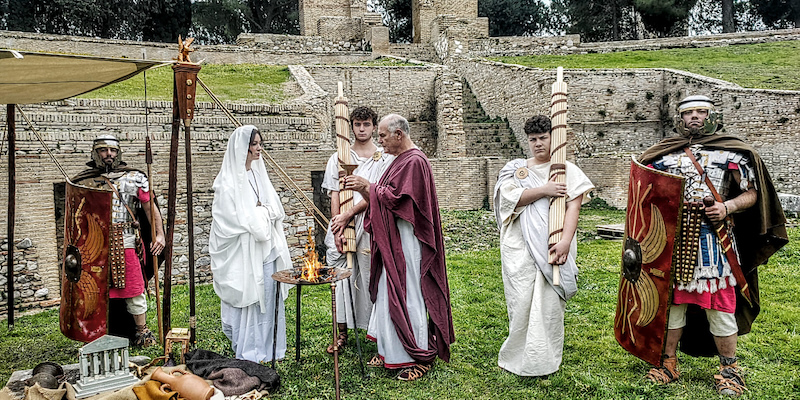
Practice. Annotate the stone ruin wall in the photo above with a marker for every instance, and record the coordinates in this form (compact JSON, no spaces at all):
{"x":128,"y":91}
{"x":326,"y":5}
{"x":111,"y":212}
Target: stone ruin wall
{"x":297,"y":142}
{"x":250,"y":48}
{"x":30,"y":291}
{"x":298,"y":134}
{"x":614,"y":113}
{"x":618,"y":113}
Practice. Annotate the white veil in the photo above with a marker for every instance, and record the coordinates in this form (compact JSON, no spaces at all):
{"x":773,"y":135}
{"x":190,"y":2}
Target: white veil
{"x":243,"y":236}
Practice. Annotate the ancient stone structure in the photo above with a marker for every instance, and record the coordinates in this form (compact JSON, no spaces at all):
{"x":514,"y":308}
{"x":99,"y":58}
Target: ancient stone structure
{"x":348,"y":20}
{"x":466,"y":114}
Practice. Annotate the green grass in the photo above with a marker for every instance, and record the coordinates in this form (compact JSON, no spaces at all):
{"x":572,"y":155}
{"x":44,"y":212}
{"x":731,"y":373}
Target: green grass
{"x":594,"y":366}
{"x":238,"y":83}
{"x":766,"y":65}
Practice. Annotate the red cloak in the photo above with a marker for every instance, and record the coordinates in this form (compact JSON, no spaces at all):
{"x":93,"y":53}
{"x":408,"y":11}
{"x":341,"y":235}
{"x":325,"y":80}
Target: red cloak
{"x":407,"y":191}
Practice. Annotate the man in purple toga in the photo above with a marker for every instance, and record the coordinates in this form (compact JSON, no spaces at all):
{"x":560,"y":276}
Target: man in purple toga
{"x":411,"y":319}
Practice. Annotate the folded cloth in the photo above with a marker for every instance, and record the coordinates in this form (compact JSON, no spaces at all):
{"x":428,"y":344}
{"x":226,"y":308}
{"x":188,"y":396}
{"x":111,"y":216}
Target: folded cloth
{"x":204,"y":362}
{"x":151,"y":390}
{"x":36,"y":392}
{"x":234,"y":381}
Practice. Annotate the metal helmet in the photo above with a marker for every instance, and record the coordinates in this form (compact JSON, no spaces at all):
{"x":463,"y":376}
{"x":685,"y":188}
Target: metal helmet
{"x":109,"y":141}
{"x":711,"y":124}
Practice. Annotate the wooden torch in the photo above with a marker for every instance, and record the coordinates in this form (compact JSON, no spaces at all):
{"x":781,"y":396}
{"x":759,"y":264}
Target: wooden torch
{"x":346,"y":167}
{"x":558,"y":167}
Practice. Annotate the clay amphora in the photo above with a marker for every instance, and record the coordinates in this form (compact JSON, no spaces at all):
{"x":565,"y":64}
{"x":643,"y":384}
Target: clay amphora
{"x":189,"y":386}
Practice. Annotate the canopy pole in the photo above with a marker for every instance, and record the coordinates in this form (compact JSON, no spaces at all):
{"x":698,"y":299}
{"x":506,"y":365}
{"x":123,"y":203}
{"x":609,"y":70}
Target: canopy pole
{"x":190,"y":232}
{"x":12,"y":193}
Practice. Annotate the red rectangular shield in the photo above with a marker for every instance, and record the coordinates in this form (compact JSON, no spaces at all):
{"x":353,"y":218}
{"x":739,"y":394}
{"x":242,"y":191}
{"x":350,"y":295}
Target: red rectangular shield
{"x":83,"y":314}
{"x":655,"y":203}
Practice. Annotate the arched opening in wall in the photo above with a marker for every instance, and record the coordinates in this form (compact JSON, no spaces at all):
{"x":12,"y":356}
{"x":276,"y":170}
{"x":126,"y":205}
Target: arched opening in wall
{"x":323,"y":202}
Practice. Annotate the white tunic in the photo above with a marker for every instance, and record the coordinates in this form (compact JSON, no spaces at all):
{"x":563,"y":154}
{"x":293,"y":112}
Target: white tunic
{"x":381,"y":327}
{"x":371,"y":169}
{"x":247,"y":245}
{"x":535,"y":340}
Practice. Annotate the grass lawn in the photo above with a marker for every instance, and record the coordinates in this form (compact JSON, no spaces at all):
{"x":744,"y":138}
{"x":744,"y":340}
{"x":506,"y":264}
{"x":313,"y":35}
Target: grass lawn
{"x":766,"y":65}
{"x":237,"y":83}
{"x":594,"y":366}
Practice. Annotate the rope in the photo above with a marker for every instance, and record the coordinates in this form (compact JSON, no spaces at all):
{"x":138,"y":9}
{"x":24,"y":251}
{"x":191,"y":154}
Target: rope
{"x":36,"y":133}
{"x":288,"y":181}
{"x":5,"y":132}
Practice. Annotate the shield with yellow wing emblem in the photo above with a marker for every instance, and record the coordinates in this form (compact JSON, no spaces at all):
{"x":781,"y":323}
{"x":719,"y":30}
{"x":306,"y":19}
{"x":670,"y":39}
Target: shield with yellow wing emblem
{"x":655,"y":202}
{"x":84,"y":274}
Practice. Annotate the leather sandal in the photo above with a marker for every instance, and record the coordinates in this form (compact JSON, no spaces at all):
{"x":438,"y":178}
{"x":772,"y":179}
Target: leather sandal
{"x":666,"y":373}
{"x":341,"y":342}
{"x":413,"y":372}
{"x":375,"y":361}
{"x":729,"y":381}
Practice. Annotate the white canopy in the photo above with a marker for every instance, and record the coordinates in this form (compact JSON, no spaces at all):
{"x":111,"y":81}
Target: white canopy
{"x":27,"y":78}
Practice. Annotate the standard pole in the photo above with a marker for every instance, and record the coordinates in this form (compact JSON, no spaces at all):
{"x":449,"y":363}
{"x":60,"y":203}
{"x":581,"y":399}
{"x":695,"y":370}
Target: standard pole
{"x":172,"y":192}
{"x":12,"y":193}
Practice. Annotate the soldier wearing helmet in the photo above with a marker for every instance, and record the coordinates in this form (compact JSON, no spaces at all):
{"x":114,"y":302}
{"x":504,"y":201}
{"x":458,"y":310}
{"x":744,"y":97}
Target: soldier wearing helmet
{"x":707,"y":314}
{"x":130,"y":206}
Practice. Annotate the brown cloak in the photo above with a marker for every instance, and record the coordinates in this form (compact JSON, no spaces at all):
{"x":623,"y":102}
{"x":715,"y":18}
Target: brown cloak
{"x":760,"y":231}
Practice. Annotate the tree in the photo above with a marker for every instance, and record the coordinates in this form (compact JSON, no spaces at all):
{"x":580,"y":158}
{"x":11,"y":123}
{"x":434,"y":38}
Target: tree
{"x":105,"y":18}
{"x":728,"y":17}
{"x":514,"y":17}
{"x":778,"y":13}
{"x":397,"y":16}
{"x":218,"y":21}
{"x":164,"y":20}
{"x":274,"y":16}
{"x":706,"y":17}
{"x":598,"y":20}
{"x":665,"y":17}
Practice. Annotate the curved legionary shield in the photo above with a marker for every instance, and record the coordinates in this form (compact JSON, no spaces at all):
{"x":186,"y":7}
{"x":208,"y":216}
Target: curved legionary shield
{"x":84,"y":278}
{"x":655,"y":201}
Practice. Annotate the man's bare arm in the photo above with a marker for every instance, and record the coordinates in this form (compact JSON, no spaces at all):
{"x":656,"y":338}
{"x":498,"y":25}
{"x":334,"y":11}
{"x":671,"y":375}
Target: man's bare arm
{"x":158,"y":242}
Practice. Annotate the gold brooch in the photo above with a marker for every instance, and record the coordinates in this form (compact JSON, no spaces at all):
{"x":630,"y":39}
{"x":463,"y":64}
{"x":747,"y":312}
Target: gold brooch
{"x":376,"y":156}
{"x":521,"y":173}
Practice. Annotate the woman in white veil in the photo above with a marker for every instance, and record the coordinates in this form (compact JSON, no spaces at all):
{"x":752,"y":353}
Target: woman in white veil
{"x":247,"y":245}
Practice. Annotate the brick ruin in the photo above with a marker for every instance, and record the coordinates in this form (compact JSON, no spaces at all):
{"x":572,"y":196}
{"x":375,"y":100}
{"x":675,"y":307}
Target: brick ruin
{"x":466,"y":114}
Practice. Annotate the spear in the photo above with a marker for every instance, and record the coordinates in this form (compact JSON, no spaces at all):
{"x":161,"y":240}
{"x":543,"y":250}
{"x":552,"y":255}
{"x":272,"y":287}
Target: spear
{"x":558,"y":168}
{"x":149,"y":161}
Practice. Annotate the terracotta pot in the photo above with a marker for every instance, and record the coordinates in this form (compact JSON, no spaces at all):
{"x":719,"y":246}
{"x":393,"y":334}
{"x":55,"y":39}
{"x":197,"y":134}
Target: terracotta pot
{"x":188,"y":385}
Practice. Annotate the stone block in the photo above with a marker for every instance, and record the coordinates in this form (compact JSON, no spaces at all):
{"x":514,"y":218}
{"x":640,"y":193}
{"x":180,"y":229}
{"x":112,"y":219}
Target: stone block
{"x":378,"y":38}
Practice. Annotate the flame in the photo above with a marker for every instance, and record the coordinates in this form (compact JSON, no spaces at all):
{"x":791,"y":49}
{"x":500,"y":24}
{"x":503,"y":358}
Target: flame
{"x":311,"y":264}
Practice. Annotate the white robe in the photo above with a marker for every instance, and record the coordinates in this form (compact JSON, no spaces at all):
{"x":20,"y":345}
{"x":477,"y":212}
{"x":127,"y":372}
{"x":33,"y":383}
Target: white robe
{"x":246,"y":245}
{"x":536,"y":308}
{"x":381,"y":328}
{"x":371,"y":169}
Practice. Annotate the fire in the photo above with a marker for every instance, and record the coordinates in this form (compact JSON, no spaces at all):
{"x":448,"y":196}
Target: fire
{"x":311,"y":264}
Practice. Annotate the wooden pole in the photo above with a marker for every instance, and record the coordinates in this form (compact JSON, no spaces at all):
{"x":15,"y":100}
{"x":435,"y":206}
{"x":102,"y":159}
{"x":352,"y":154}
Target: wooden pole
{"x":149,"y":161}
{"x":335,"y":344}
{"x":172,"y":192}
{"x":12,"y":193}
{"x":190,"y":227}
{"x":558,"y":158}
{"x":185,"y":76}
